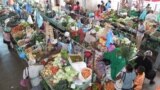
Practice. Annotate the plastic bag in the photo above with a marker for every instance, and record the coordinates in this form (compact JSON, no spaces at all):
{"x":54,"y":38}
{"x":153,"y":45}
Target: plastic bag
{"x":39,"y":20}
{"x":29,"y":8}
{"x":29,"y":20}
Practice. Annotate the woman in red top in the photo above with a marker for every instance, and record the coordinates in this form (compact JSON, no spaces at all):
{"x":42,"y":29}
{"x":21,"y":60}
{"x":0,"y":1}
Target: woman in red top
{"x":76,"y":7}
{"x":98,"y":12}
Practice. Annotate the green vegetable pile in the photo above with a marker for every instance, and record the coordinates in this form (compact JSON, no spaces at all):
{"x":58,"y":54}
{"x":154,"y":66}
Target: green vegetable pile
{"x":64,"y":73}
{"x":37,"y":37}
{"x":127,"y":52}
{"x":64,"y":54}
{"x":62,"y":85}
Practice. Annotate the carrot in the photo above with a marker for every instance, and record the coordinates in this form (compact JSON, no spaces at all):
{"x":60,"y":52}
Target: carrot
{"x":86,"y":73}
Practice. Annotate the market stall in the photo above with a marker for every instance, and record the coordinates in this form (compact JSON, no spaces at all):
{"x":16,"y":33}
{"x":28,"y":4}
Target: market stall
{"x":77,"y":50}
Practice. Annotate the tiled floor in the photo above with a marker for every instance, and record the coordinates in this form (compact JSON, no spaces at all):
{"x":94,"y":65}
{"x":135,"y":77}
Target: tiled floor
{"x":152,"y":87}
{"x":11,"y":68}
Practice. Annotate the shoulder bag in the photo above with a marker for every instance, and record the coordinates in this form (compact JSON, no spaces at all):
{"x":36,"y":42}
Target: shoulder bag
{"x":119,"y":83}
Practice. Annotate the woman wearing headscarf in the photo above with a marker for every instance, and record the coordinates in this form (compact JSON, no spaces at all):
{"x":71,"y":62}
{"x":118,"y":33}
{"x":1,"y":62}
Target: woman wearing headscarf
{"x":144,"y":12}
{"x":76,"y":7}
{"x":146,"y":61}
{"x":140,"y":34}
{"x":33,"y":70}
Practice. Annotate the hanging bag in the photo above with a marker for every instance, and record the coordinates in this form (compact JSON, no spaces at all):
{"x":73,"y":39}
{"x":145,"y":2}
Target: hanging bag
{"x":26,"y":82}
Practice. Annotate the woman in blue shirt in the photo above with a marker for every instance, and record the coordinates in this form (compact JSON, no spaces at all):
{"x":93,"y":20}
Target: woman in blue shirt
{"x":108,"y":5}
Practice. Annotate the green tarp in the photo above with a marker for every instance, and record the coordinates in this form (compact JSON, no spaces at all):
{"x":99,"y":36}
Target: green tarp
{"x":117,"y":63}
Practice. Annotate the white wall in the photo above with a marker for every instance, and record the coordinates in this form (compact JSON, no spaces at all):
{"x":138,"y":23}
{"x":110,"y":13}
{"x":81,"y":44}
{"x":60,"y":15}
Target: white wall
{"x":92,"y":4}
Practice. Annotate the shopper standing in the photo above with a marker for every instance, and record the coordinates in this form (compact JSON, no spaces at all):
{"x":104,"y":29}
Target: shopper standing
{"x":7,"y":37}
{"x":103,"y":6}
{"x":98,"y":12}
{"x":138,"y":82}
{"x":146,"y":61}
{"x":34,"y":74}
{"x":108,"y":5}
{"x":140,"y":34}
{"x":76,"y":8}
{"x":144,"y":12}
{"x":128,"y":78}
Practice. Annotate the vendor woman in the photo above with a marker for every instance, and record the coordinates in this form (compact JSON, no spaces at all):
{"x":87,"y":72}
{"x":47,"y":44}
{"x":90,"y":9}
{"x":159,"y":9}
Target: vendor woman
{"x":76,"y":7}
{"x":98,"y":12}
{"x":146,"y":61}
{"x":144,"y":12}
{"x":140,"y":34}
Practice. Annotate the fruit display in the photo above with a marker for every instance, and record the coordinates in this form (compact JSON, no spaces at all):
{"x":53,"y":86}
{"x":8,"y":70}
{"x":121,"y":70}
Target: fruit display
{"x":47,"y":71}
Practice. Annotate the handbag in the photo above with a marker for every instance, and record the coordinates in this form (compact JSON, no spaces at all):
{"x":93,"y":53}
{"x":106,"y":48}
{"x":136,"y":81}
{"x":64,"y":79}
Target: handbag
{"x":26,"y":82}
{"x":119,"y":83}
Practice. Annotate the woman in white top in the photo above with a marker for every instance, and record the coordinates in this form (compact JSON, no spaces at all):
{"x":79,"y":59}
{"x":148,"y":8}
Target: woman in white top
{"x":34,"y":74}
{"x":140,"y":33}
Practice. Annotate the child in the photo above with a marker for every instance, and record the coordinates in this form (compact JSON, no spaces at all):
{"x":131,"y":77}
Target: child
{"x":158,"y":88}
{"x":138,"y":82}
